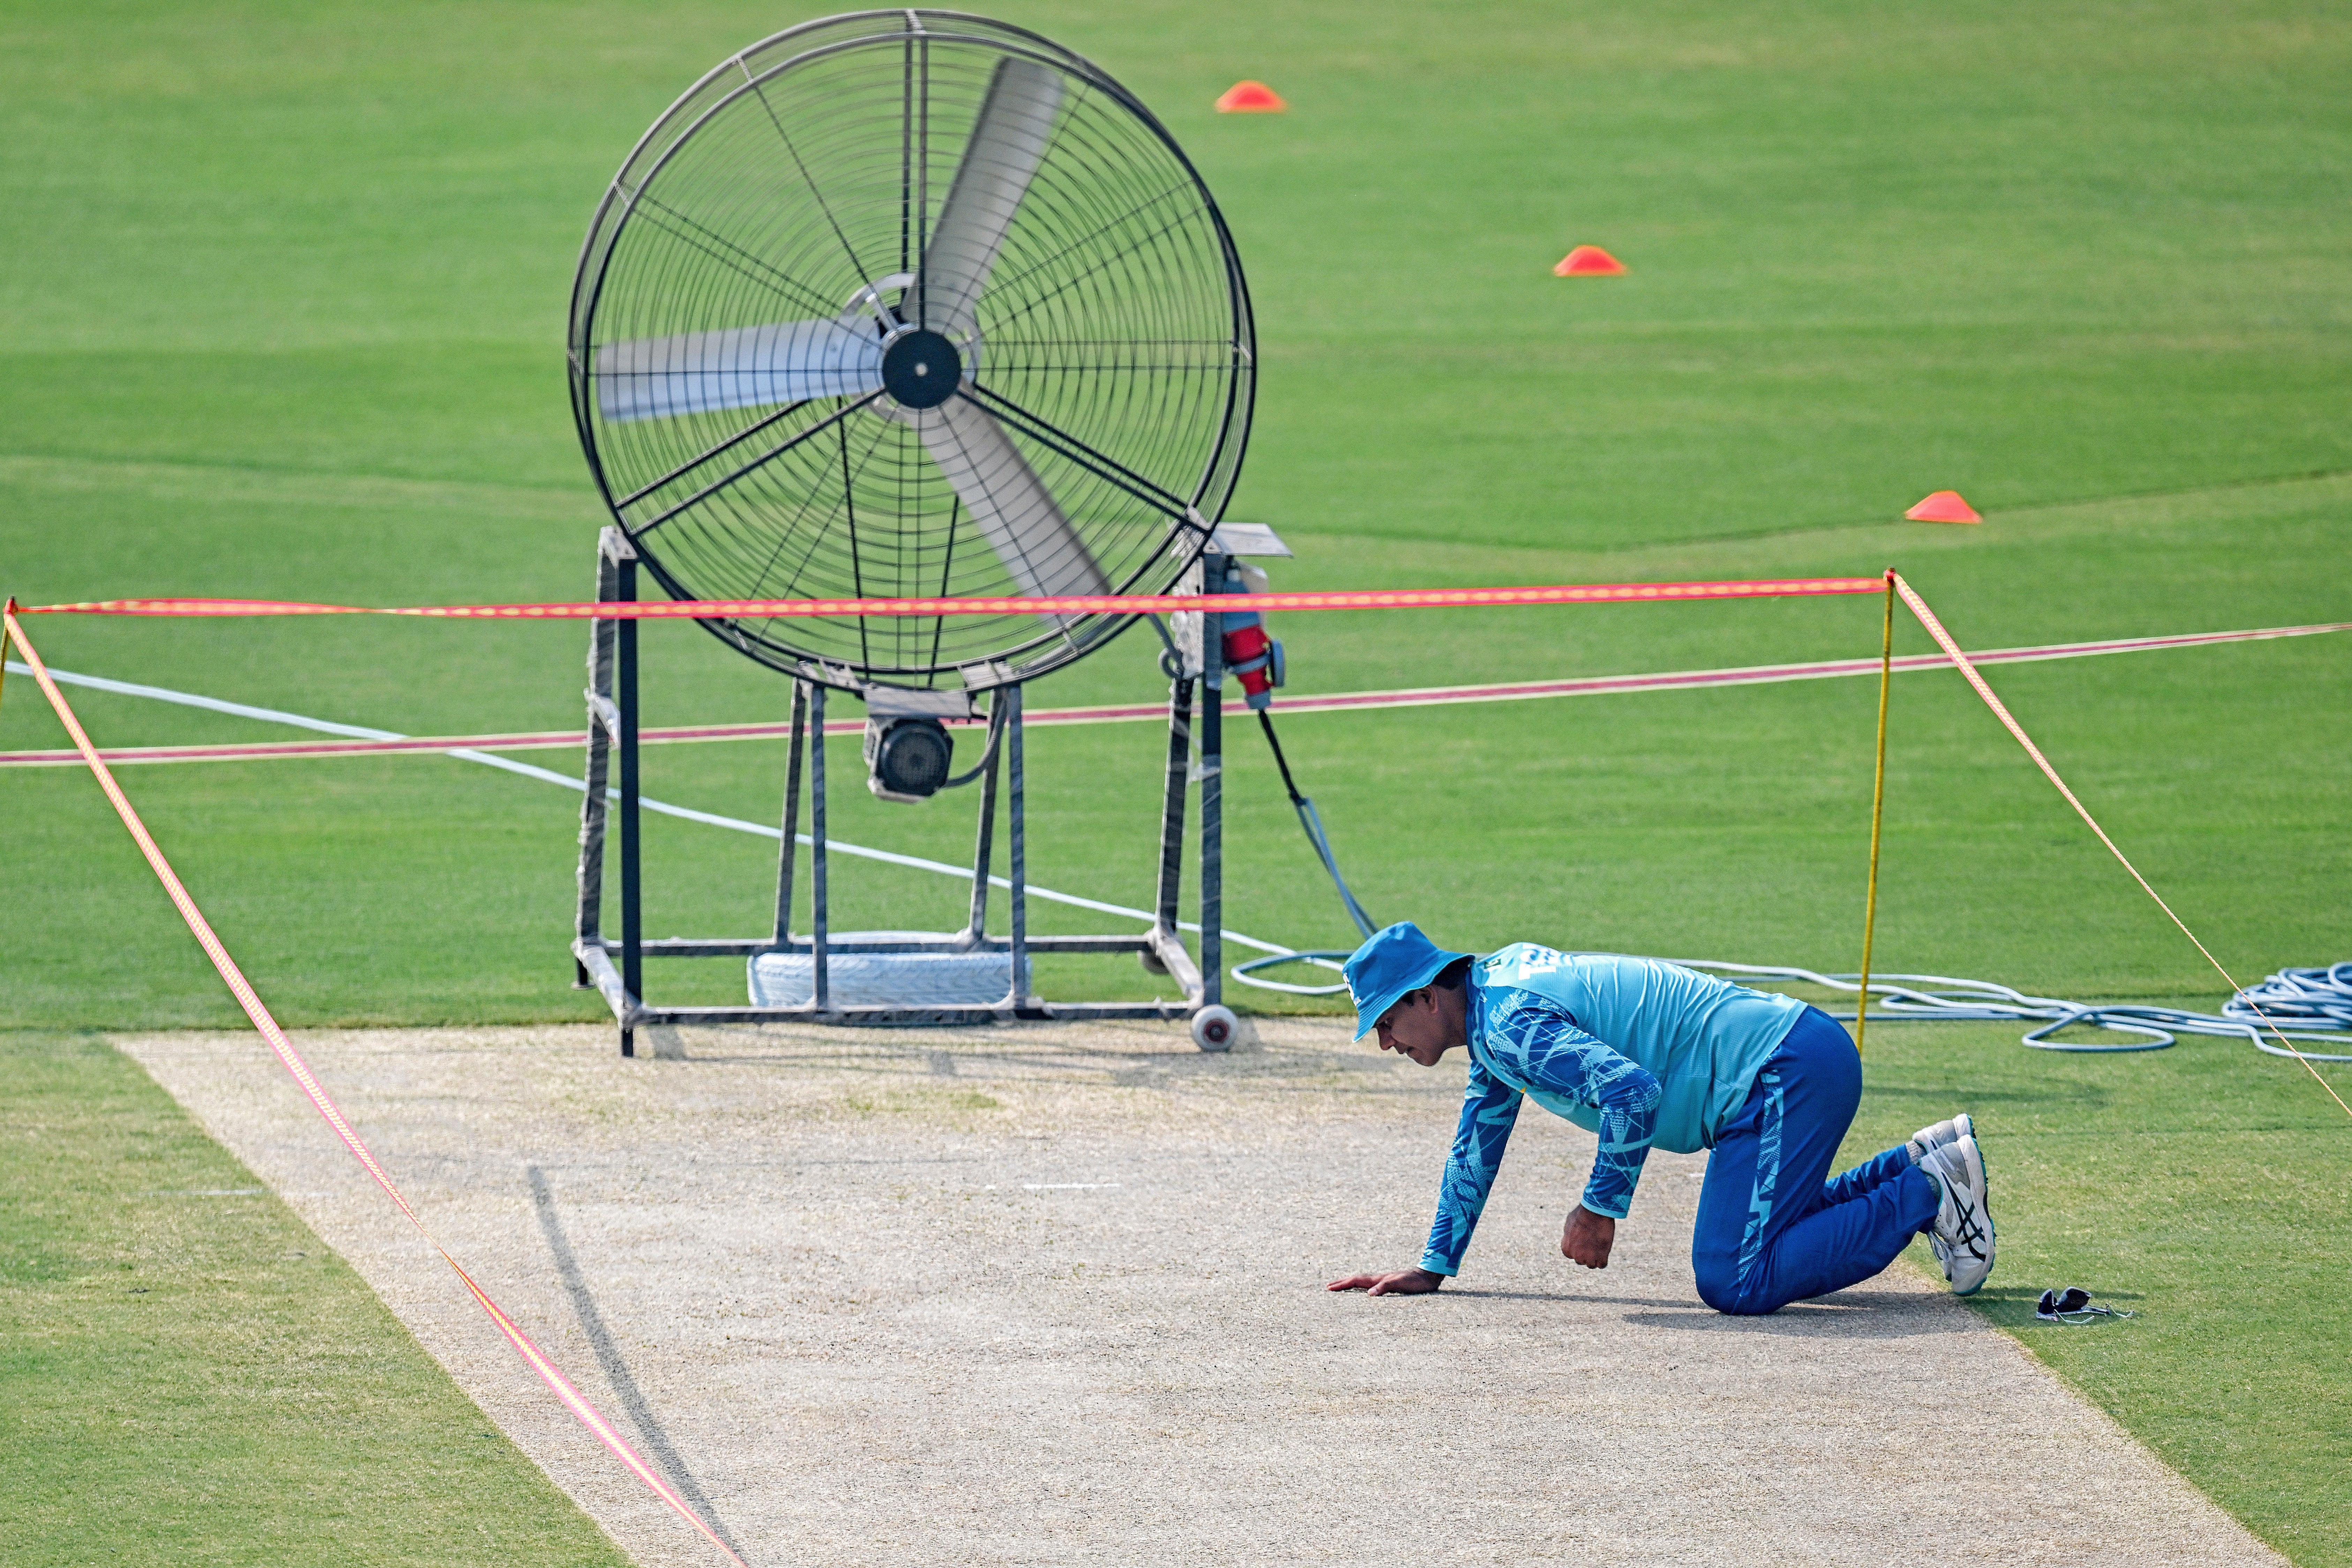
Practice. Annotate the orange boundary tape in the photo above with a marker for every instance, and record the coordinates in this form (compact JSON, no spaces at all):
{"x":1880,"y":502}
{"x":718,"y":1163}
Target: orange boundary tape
{"x":2000,"y":711}
{"x":1079,"y":604}
{"x":246,"y":998}
{"x":1324,"y":702}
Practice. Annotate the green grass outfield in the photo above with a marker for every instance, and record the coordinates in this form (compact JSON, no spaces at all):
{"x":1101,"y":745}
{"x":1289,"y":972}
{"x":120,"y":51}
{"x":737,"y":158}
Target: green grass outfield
{"x":187,"y":1375}
{"x":283,"y":292}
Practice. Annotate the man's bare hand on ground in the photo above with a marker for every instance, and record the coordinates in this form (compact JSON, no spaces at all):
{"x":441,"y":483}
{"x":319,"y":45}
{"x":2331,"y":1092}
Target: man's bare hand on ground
{"x":1404,"y":1283}
{"x":1588,"y":1236}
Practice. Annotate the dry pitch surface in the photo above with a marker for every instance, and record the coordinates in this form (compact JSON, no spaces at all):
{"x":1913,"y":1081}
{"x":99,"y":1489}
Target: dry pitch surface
{"x":1053,"y":1294}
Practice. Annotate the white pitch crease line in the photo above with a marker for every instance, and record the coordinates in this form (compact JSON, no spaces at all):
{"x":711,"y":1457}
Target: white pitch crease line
{"x":548,"y":776}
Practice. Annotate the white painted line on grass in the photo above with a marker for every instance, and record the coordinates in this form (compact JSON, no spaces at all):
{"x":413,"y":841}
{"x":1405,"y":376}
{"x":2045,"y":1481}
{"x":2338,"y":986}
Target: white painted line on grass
{"x":684,"y":814}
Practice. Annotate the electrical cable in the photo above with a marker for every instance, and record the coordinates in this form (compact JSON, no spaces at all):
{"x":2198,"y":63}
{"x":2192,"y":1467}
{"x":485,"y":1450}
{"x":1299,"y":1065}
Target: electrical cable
{"x":996,"y":712}
{"x":1312,"y":821}
{"x":2317,"y":1001}
{"x":2309,"y":1004}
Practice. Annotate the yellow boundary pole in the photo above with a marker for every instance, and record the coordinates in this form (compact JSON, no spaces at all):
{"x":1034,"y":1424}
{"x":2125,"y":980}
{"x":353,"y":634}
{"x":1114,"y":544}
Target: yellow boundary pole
{"x":1877,"y":814}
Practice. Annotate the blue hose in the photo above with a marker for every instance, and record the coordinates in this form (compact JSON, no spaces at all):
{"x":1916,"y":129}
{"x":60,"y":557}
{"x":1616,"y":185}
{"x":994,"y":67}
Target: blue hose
{"x":2312,"y":1005}
{"x":2295,"y":1004}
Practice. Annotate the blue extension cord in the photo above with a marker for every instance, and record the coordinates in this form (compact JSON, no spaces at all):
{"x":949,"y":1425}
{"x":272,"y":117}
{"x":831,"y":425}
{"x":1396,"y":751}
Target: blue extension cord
{"x":2304,"y":1004}
{"x":2300,"y":1004}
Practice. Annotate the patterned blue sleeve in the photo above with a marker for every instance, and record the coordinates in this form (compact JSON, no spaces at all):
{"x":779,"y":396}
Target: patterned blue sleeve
{"x":1490,"y":1107}
{"x":1539,"y":1039}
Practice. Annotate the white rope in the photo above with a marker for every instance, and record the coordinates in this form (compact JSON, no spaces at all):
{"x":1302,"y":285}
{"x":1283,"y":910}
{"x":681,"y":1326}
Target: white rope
{"x":684,"y":814}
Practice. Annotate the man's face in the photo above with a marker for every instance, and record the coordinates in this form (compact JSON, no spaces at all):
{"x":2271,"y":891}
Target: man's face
{"x":1416,"y":1026}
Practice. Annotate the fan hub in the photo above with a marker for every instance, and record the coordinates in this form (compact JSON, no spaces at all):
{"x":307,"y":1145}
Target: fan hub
{"x":921,"y":368}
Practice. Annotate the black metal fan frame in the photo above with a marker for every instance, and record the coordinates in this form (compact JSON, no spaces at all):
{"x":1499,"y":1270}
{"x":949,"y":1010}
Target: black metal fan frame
{"x":614,"y":966}
{"x":1189,"y":530}
{"x":1192,"y":560}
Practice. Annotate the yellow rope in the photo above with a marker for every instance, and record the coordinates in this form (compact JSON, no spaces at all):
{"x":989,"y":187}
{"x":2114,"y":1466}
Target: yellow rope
{"x":1944,"y":640}
{"x":1878,"y":811}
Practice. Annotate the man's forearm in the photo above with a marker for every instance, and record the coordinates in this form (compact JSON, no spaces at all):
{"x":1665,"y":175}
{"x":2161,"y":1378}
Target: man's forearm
{"x":1629,"y":1119}
{"x":1608,"y":1192}
{"x":1489,"y":1112}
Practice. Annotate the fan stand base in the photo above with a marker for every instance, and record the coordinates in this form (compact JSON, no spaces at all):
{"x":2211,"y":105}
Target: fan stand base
{"x":616,"y":965}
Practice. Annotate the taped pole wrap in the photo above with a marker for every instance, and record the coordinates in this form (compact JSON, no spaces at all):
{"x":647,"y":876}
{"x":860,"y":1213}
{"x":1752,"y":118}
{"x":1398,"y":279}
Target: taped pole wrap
{"x":266,"y":1025}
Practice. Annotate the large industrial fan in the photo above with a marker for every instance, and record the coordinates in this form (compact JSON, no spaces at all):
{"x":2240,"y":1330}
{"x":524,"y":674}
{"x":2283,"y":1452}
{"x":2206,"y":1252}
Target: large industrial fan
{"x":909,"y":304}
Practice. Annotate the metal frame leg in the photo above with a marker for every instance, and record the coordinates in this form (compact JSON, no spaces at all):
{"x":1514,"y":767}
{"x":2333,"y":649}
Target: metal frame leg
{"x":985,"y":846}
{"x":588,"y":927}
{"x":633,"y":957}
{"x":817,"y":922}
{"x":614,"y":712}
{"x":790,"y":849}
{"x":1172,"y":806}
{"x":1212,"y":804}
{"x":1018,"y":848}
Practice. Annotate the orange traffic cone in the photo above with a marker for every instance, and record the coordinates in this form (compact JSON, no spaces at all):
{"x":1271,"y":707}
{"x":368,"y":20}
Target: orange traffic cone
{"x":1944,"y":506}
{"x":1589,"y":261}
{"x":1250,"y":97}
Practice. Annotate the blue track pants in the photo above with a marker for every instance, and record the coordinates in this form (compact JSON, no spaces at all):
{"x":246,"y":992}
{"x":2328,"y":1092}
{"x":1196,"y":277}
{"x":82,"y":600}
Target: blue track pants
{"x":1774,"y":1226}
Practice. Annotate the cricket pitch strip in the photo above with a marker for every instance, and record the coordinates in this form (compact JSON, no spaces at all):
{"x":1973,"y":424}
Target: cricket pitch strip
{"x":1053,"y":1294}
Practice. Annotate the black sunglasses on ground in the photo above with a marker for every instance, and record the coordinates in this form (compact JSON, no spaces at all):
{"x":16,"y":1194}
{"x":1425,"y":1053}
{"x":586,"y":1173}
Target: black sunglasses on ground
{"x":2073,"y":1306}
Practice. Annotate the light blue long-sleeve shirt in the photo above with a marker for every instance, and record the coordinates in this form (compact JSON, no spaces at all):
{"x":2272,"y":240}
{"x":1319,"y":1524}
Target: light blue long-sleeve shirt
{"x":1635,"y":1050}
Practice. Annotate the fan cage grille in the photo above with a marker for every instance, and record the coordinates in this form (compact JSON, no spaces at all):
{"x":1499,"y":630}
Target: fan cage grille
{"x":1115,"y":345}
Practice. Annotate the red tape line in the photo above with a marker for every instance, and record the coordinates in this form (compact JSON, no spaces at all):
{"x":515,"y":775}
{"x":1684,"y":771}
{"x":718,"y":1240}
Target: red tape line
{"x":1082,"y":604}
{"x":246,"y":998}
{"x":1317,"y":702}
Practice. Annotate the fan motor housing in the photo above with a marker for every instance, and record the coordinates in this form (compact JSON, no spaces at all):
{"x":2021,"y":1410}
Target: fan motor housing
{"x":919,"y":368}
{"x":906,"y":760}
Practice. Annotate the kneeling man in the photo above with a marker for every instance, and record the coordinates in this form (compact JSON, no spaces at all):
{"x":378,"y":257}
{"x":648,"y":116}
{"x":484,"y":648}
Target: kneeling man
{"x":1646,"y":1052}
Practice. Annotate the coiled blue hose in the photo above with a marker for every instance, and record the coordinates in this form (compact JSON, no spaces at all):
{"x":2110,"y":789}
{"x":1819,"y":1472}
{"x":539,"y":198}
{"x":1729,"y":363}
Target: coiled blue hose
{"x":2298,"y":1004}
{"x":2312,"y":1005}
{"x":2302,"y":1004}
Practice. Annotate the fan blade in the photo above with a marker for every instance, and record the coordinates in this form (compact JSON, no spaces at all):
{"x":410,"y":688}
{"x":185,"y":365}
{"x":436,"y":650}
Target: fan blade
{"x":1008,"y":142}
{"x":741,"y":367}
{"x":1016,"y":513}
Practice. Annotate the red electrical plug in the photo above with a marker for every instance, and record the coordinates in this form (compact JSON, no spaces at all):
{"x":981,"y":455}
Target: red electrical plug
{"x":1253,"y":657}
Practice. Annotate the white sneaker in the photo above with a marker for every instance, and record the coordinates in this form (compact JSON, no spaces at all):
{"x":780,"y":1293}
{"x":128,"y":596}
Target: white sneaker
{"x":1926,"y":1140}
{"x":1962,"y":1238}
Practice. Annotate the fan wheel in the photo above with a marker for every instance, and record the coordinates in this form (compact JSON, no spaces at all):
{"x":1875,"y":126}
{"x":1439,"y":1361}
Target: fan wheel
{"x":909,"y":304}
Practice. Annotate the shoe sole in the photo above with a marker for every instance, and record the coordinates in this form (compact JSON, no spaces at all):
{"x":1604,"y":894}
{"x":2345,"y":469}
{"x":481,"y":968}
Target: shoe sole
{"x":1983,"y":1195}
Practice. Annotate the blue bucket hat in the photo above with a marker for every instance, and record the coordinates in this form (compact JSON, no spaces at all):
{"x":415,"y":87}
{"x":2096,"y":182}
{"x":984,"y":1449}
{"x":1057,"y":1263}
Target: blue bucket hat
{"x":1392,"y":962}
